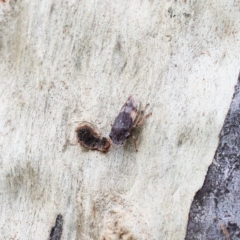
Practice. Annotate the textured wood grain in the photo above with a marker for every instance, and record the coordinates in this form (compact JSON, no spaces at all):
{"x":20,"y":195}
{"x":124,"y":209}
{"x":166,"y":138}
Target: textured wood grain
{"x":214,"y":213}
{"x":56,"y":232}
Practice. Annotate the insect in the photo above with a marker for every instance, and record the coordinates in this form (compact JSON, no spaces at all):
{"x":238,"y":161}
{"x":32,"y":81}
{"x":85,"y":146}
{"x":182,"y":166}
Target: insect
{"x":89,"y":138}
{"x":130,"y":116}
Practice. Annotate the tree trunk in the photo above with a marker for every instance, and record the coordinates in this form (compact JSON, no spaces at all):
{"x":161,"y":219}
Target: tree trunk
{"x":214,"y":213}
{"x":64,"y":62}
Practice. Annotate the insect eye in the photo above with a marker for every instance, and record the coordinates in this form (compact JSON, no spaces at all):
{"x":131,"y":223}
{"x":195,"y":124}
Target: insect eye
{"x":127,"y":134}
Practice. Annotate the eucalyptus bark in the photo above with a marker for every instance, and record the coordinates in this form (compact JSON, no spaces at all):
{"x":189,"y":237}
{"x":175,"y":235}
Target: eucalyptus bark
{"x":215,"y":211}
{"x":65,"y":62}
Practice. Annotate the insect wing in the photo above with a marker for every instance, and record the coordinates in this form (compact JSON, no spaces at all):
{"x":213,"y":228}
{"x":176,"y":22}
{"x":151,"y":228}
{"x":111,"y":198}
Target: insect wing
{"x":125,"y":120}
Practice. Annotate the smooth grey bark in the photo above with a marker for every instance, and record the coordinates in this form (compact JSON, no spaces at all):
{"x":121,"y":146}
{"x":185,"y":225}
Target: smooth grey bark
{"x":215,"y":211}
{"x":64,"y":62}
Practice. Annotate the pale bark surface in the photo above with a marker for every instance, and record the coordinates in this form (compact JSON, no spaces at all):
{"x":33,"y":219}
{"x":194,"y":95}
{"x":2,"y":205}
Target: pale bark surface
{"x":63,"y":62}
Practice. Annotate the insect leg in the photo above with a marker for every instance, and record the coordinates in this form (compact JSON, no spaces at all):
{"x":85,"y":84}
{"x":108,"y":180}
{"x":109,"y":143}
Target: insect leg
{"x":141,"y":117}
{"x":142,"y":121}
{"x":135,"y":142}
{"x":144,"y":109}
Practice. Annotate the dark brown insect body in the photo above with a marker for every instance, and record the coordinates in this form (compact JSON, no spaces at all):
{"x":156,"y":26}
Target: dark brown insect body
{"x":129,"y":117}
{"x":90,"y":139}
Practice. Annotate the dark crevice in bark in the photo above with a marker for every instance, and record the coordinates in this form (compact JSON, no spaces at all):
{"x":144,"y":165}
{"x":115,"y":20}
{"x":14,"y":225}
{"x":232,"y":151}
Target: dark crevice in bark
{"x":56,"y":231}
{"x":215,"y":210}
